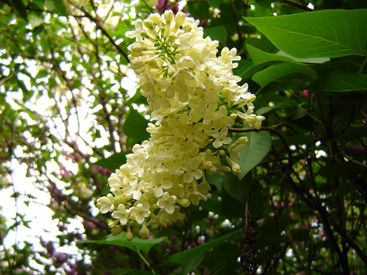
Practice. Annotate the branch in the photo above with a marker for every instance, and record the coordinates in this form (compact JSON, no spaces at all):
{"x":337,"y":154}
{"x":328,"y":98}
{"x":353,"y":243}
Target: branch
{"x":296,"y":4}
{"x":248,"y":255}
{"x":236,"y":22}
{"x":100,"y":26}
{"x":2,"y":81}
{"x":10,"y":265}
{"x":73,"y":207}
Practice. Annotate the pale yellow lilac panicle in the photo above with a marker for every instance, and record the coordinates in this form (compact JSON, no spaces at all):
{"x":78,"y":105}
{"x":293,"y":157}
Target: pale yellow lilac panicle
{"x":194,"y":98}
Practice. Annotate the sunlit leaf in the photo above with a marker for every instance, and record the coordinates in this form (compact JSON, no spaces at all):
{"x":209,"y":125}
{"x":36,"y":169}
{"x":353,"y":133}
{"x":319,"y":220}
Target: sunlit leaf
{"x":315,"y":60}
{"x":259,"y":57}
{"x":42,"y":73}
{"x":217,"y":33}
{"x":113,"y":162}
{"x":59,"y":6}
{"x":137,"y":98}
{"x":135,"y":125}
{"x":328,"y":33}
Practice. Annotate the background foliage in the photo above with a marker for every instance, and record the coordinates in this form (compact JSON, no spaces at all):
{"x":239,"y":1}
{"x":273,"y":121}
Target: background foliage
{"x":70,"y":112}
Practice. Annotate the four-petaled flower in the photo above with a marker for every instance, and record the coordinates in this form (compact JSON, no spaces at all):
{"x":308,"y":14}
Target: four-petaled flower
{"x":139,"y":213}
{"x":121,"y":213}
{"x":221,"y":138}
{"x":167,"y":202}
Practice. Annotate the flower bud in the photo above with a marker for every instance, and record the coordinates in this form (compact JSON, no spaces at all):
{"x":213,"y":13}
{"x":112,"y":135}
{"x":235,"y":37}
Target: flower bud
{"x":180,"y":19}
{"x":233,"y":116}
{"x":184,"y":202}
{"x":116,"y":230}
{"x":168,"y":16}
{"x":242,"y":140}
{"x":144,"y":231}
{"x":113,"y":223}
{"x":156,"y":19}
{"x":236,"y":169}
{"x":129,"y":236}
{"x":222,"y":152}
{"x":149,"y":25}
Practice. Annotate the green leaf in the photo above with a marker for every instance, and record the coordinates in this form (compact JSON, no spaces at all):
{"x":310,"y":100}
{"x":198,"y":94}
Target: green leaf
{"x":238,"y":189}
{"x":135,"y":125}
{"x":186,"y":257}
{"x":136,"y":244}
{"x":106,"y":190}
{"x":113,"y":162}
{"x":345,"y":188}
{"x":246,"y":69}
{"x":263,"y":110}
{"x":137,"y":98}
{"x":232,"y":208}
{"x":316,"y":60}
{"x":35,"y":21}
{"x":128,"y":271}
{"x":19,"y":8}
{"x":328,"y":33}
{"x":261,"y":43}
{"x":192,"y":265}
{"x":341,"y":82}
{"x":223,"y":259}
{"x":76,"y":84}
{"x":42,"y":73}
{"x":278,"y":72}
{"x":59,"y":6}
{"x":217,"y":33}
{"x":215,"y":179}
{"x":258,"y":146}
{"x":197,"y":9}
{"x":341,"y":169}
{"x":260,"y":57}
{"x":300,"y":235}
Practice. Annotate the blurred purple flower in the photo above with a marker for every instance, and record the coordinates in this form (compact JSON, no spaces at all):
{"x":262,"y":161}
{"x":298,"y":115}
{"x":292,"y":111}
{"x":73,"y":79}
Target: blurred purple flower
{"x":74,"y":158}
{"x":103,"y":171}
{"x":163,"y":5}
{"x":62,"y":227}
{"x":354,"y":150}
{"x":65,"y":173}
{"x":78,"y":156}
{"x":59,"y":259}
{"x":90,"y":224}
{"x":305,"y":93}
{"x":72,"y":270}
{"x":49,"y":247}
{"x":43,"y":242}
{"x":201,"y":241}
